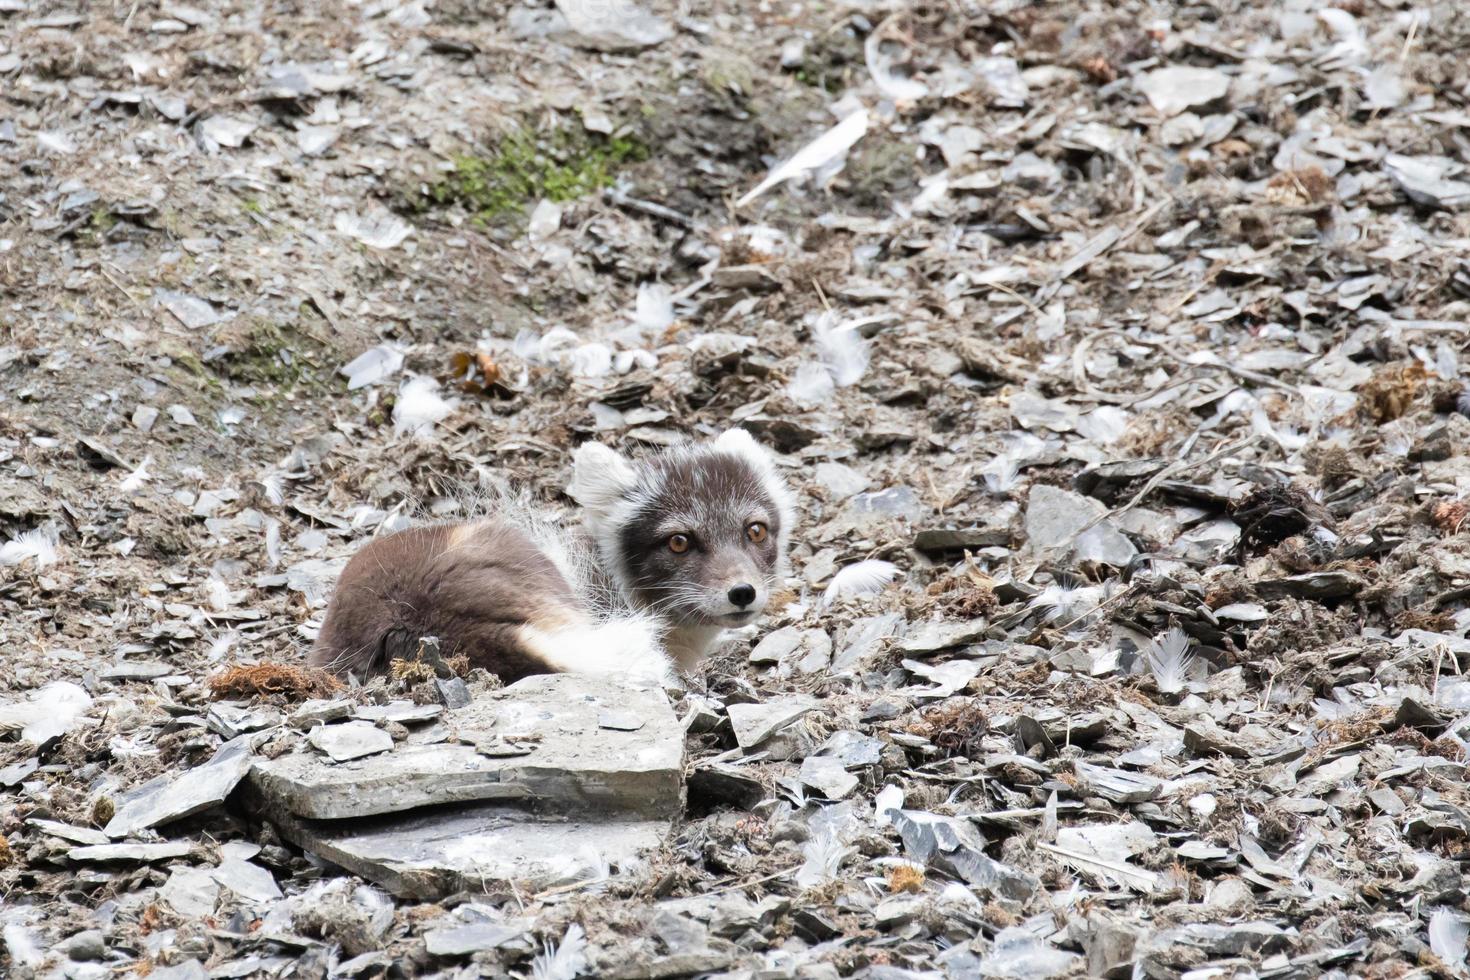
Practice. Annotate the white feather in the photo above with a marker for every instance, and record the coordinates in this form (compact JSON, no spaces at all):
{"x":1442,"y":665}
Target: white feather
{"x":372,"y":366}
{"x":1169,"y":660}
{"x":1105,"y":425}
{"x":1001,"y":473}
{"x":654,"y":308}
{"x":1448,"y":935}
{"x":842,"y":348}
{"x":819,"y":153}
{"x":589,"y":867}
{"x":1061,"y":603}
{"x":217,"y":594}
{"x":861,"y":578}
{"x":39,"y":545}
{"x":419,"y":408}
{"x":828,"y":846}
{"x":897,"y":87}
{"x":221,"y":645}
{"x":811,"y":385}
{"x":51,"y":711}
{"x":134,"y":481}
{"x":564,"y":961}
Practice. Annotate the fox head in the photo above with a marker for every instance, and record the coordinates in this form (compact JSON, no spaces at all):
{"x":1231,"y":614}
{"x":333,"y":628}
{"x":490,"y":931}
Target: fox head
{"x":697,"y":535}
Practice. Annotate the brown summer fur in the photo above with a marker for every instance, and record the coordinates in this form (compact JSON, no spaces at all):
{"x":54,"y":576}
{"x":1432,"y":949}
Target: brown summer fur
{"x":474,"y":586}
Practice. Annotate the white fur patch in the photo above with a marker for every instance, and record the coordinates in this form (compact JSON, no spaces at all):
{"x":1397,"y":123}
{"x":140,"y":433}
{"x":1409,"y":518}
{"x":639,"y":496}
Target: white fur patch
{"x":626,"y":647}
{"x":600,"y":477}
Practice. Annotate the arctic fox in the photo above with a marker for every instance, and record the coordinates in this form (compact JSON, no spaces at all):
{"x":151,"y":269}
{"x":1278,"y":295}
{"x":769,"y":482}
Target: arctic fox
{"x":675,"y":548}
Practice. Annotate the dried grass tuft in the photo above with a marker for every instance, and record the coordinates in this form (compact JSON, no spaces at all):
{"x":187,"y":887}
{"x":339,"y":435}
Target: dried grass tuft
{"x":955,"y":728}
{"x":255,"y":680}
{"x":905,"y":878}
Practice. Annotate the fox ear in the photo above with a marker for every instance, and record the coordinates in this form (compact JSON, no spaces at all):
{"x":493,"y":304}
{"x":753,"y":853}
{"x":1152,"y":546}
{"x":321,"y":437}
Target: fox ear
{"x":600,"y":477}
{"x":739,"y":442}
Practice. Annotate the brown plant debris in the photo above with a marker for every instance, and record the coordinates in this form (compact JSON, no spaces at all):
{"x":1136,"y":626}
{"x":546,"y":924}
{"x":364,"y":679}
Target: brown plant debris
{"x":254,"y":680}
{"x":1298,"y":188}
{"x":955,"y":728}
{"x":1269,"y":515}
{"x":1389,"y":393}
{"x":905,"y":878}
{"x":1449,"y":515}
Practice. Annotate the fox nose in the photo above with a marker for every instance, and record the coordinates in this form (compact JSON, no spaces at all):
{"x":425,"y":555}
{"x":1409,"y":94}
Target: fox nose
{"x":742,"y":595}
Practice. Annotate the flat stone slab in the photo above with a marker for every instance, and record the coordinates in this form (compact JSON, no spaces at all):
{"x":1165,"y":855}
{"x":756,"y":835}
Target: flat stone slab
{"x":542,"y":740}
{"x":140,"y":853}
{"x":754,"y":723}
{"x":352,"y":740}
{"x":170,"y":798}
{"x":436,"y":852}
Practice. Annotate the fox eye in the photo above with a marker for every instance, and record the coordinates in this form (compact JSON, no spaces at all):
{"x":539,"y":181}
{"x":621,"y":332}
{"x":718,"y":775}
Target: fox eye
{"x":679,"y":544}
{"x":756,"y":532}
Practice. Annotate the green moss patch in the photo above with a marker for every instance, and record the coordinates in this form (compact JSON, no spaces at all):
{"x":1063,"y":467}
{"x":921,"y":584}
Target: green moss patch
{"x":525,"y":167}
{"x":268,"y":354}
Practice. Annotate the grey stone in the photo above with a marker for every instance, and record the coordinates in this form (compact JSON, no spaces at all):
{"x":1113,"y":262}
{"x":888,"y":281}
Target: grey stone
{"x":619,"y":721}
{"x":135,"y":670}
{"x":452,"y":692}
{"x":144,"y":416}
{"x":619,"y":26}
{"x":476,"y":937}
{"x":1109,"y":946}
{"x":942,"y":540}
{"x":402,"y":712}
{"x":17,"y":772}
{"x":853,"y":749}
{"x":319,"y":712}
{"x":191,"y":892}
{"x":840,"y":481}
{"x":754,"y":723}
{"x":776,"y":646}
{"x":1229,"y":893}
{"x":481,"y":847}
{"x":816,"y":651}
{"x":1056,"y":519}
{"x":1387,"y":801}
{"x":192,"y":312}
{"x":828,"y":776}
{"x":1233,"y":939}
{"x":1312,"y":585}
{"x":864,"y":638}
{"x":87,"y":946}
{"x":1117,"y":785}
{"x":375,"y":960}
{"x":233,"y":720}
{"x":562,"y":757}
{"x":187,"y":970}
{"x":350,"y":740}
{"x":228,"y":131}
{"x":249,"y":881}
{"x":77,"y":835}
{"x":893,"y":503}
{"x":936,"y":635}
{"x":1017,"y":952}
{"x":137,"y":853}
{"x":1173,"y":89}
{"x":716,"y":784}
{"x":172,"y":798}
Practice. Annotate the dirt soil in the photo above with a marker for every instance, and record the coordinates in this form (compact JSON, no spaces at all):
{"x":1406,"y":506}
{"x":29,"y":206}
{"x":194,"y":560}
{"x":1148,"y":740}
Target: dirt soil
{"x":1124,"y":345}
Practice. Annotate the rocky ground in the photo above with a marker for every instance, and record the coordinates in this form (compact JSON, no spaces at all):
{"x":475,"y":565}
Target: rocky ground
{"x":1114,"y":351}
